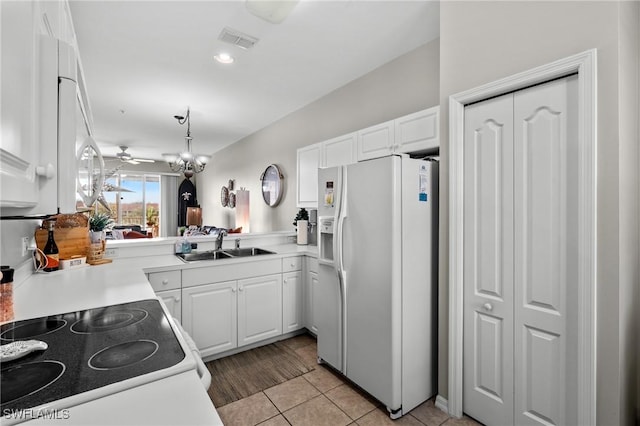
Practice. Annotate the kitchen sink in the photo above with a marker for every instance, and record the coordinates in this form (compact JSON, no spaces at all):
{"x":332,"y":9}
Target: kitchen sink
{"x":205,"y":255}
{"x":247,"y":251}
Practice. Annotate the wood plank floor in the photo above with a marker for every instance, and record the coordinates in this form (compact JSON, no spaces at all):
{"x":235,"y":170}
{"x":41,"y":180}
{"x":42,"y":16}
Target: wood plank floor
{"x":322,"y":397}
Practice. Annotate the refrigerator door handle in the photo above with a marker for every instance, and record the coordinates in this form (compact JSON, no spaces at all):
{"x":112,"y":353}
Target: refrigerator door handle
{"x":342,"y":216}
{"x":342,"y":278}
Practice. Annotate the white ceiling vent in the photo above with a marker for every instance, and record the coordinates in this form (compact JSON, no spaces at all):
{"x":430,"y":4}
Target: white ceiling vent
{"x":229,"y":35}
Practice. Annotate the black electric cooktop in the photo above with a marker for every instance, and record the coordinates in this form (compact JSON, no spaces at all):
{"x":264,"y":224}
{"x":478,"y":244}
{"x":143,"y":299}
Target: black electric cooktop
{"x":87,"y":350}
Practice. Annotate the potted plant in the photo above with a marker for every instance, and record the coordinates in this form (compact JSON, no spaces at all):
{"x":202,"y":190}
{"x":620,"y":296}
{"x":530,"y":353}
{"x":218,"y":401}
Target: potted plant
{"x":301,"y":222}
{"x":97,"y":224}
{"x":152,"y":221}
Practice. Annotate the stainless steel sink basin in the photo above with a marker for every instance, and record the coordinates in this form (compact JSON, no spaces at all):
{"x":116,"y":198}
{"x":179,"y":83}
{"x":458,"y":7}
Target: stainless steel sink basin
{"x":205,"y":255}
{"x":247,"y":251}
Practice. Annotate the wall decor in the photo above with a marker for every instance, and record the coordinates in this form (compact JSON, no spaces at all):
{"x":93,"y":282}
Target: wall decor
{"x":224,"y":196}
{"x":272,"y":185}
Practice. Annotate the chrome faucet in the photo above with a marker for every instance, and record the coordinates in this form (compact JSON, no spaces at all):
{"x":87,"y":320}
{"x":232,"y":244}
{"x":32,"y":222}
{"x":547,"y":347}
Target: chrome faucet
{"x":219,"y":238}
{"x":237,"y":243}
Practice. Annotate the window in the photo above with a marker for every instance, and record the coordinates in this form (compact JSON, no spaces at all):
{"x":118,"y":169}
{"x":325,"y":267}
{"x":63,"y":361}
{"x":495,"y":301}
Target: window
{"x":134,"y":199}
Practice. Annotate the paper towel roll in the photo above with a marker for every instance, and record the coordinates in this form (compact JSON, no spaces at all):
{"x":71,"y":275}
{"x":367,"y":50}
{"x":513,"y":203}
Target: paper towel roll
{"x":303,"y":232}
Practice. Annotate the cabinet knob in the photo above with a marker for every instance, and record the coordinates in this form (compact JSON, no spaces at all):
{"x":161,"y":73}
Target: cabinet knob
{"x":240,"y":288}
{"x":293,"y":265}
{"x":488,"y":307}
{"x":165,"y":281}
{"x":233,"y":290}
{"x":47,"y":171}
{"x":177,"y":299}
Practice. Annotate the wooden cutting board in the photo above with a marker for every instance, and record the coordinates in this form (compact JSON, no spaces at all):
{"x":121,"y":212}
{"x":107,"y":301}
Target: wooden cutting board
{"x":70,"y":241}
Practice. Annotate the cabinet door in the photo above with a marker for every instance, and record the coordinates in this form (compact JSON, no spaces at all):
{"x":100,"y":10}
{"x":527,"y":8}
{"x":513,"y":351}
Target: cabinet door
{"x":172,"y":299}
{"x":19,"y":155}
{"x":312,"y":285}
{"x":376,"y":141}
{"x":209,"y":315}
{"x":292,"y":302}
{"x":339,"y":151}
{"x":418,"y":131}
{"x":307,"y":176}
{"x":259,"y":308}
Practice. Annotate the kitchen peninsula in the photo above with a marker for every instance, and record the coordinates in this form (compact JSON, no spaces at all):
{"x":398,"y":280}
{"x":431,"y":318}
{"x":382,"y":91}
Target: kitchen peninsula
{"x":126,"y":280}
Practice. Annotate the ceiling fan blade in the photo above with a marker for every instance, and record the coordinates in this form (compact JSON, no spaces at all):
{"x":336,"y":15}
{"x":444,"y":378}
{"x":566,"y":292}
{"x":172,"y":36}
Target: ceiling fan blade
{"x":144,"y":160}
{"x":132,"y":161}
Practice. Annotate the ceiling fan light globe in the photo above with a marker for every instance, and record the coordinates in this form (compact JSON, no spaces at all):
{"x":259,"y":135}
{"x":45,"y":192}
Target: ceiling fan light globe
{"x":186,"y":156}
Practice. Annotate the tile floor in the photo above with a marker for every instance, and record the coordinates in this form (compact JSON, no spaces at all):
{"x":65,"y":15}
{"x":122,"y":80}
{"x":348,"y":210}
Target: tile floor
{"x":321,"y":397}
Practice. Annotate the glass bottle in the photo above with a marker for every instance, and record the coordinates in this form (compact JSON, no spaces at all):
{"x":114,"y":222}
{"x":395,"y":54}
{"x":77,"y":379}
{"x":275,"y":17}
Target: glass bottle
{"x":51,"y":251}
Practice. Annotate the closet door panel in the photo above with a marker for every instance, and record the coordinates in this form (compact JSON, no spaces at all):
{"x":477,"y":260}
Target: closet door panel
{"x":488,"y":261}
{"x":545,"y":197}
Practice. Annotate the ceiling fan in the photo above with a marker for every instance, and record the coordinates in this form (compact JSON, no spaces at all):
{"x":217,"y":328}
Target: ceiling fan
{"x":124,"y":156}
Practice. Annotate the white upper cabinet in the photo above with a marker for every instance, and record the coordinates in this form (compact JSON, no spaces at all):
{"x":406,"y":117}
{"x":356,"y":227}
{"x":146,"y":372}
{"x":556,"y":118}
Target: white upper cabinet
{"x":19,"y":156}
{"x":412,"y":133}
{"x":339,"y":151}
{"x":418,"y":131}
{"x":376,"y":141}
{"x":37,"y":170}
{"x":415,"y":132}
{"x":307,"y":174}
{"x":333,"y":152}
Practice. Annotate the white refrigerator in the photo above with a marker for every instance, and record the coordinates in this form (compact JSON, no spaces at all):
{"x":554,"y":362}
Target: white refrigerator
{"x":376,"y":298}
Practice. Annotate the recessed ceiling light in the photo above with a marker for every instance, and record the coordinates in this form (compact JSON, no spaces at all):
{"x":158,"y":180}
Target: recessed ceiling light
{"x":224,"y":58}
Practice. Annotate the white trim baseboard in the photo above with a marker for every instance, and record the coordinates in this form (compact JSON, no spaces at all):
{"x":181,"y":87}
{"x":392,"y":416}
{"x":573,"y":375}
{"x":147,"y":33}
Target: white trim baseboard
{"x":585,"y":65}
{"x":442,"y":403}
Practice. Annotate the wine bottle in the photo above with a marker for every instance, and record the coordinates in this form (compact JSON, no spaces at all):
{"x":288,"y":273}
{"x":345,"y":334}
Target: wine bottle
{"x":51,"y":251}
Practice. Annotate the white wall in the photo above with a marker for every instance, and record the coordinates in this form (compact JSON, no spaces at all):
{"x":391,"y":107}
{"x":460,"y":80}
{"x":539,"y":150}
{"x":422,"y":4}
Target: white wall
{"x":404,"y":85}
{"x":483,"y":41}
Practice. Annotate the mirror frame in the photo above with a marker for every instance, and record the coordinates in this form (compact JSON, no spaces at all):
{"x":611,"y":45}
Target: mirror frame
{"x":272,"y":177}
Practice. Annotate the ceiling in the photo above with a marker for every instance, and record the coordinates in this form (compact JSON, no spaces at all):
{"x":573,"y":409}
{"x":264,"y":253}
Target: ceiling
{"x":146,"y":61}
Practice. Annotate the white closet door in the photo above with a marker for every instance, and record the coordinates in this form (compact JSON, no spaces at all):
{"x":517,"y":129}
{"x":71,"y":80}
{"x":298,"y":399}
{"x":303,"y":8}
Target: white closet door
{"x":488,"y":261}
{"x":546,"y":225}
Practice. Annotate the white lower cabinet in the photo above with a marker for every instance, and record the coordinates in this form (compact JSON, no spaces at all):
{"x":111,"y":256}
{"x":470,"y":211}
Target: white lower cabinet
{"x":259,"y":308}
{"x":172,"y":299}
{"x":311,"y":314}
{"x":310,"y":286}
{"x":226,"y":315}
{"x":210,"y":316}
{"x":292,"y":301}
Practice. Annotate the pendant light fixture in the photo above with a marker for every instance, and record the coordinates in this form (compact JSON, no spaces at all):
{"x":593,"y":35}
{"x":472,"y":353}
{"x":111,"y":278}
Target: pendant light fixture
{"x":186,"y":161}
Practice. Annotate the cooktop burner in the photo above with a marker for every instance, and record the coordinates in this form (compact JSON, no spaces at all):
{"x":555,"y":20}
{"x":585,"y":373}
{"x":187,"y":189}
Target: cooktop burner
{"x":104,"y":320}
{"x":87,"y":350}
{"x":123,"y":354}
{"x":32,"y":328}
{"x":21,"y":380}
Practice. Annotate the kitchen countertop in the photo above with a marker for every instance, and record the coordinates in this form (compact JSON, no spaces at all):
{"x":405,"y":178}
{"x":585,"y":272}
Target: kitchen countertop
{"x":123,"y":281}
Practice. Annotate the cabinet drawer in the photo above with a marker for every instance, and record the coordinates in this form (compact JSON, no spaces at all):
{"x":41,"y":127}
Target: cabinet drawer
{"x":230,"y":271}
{"x":293,"y":263}
{"x":168,"y":280}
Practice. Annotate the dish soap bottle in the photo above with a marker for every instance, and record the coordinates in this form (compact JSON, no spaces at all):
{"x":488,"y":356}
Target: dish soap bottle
{"x":51,"y":251}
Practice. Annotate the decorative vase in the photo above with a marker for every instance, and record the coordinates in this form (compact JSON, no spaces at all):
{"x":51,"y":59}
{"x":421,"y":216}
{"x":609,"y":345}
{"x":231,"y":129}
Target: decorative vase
{"x":96,"y":250}
{"x":97,"y":237}
{"x":303,"y":233}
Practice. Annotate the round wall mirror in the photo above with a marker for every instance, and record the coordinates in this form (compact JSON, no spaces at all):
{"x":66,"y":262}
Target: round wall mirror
{"x":272,"y":185}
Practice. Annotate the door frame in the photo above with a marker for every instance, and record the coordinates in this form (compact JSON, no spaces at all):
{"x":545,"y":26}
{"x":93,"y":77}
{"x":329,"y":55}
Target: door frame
{"x":585,"y":64}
